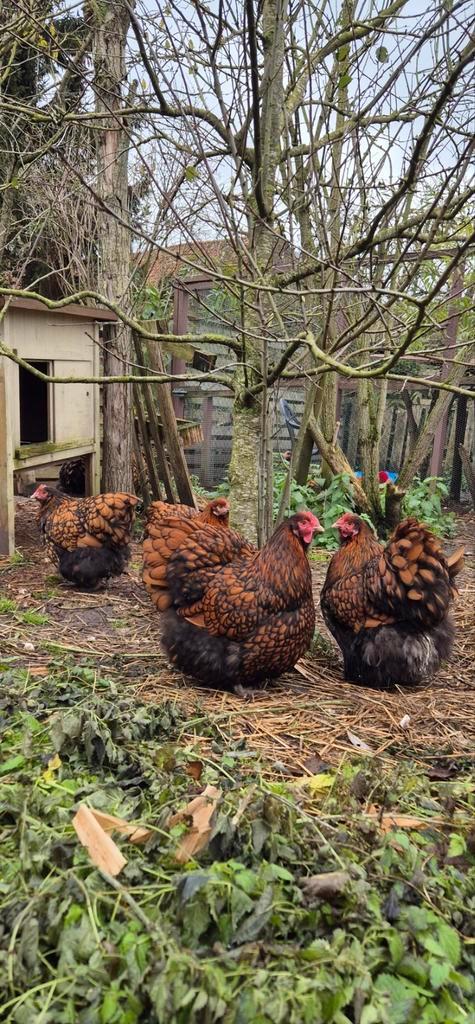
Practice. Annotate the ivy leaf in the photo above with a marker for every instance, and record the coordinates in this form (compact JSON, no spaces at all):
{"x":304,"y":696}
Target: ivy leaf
{"x":382,"y":55}
{"x":344,"y":81}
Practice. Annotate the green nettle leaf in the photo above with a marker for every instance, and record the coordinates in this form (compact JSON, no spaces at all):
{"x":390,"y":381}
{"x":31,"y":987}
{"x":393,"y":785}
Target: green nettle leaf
{"x":249,"y":930}
{"x":450,"y":943}
{"x":439,"y":973}
{"x":12,"y":764}
{"x":401,"y":998}
{"x":246,"y":880}
{"x":414,"y":968}
{"x":457,"y":846}
{"x":382,"y":54}
{"x":397,"y":947}
{"x":109,"y":1006}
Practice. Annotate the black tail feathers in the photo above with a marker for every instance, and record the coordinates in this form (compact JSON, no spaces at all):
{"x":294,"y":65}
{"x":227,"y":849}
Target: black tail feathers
{"x":85,"y":567}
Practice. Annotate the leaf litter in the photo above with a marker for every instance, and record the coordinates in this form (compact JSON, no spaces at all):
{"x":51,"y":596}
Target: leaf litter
{"x":349,"y":899}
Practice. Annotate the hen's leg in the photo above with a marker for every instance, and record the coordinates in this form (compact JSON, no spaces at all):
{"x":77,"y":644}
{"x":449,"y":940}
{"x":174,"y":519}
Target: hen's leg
{"x":246,"y":692}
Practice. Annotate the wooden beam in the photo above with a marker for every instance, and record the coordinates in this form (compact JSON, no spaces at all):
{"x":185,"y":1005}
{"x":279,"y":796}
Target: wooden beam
{"x":141,"y":469}
{"x":171,"y":435}
{"x":150,"y":405}
{"x":152,"y":469}
{"x":7,"y":506}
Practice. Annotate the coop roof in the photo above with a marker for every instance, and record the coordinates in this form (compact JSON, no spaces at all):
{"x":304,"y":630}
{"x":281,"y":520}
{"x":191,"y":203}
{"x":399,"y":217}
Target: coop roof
{"x":71,"y":309}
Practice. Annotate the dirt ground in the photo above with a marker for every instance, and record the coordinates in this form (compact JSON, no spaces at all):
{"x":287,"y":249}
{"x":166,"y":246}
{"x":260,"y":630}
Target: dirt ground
{"x":307,"y":717}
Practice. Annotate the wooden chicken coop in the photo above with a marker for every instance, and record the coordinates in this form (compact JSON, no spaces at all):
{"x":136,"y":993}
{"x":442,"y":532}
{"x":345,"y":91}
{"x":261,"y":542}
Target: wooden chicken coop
{"x":42,"y":424}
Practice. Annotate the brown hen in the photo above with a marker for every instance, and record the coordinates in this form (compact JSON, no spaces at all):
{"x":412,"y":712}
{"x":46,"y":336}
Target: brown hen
{"x":232,"y":614}
{"x":87,"y":538}
{"x":388,"y":607}
{"x":214,"y":513}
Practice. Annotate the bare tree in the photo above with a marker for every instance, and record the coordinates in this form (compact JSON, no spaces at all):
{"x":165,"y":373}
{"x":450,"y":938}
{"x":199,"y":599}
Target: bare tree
{"x":328,"y":149}
{"x":110,"y":27}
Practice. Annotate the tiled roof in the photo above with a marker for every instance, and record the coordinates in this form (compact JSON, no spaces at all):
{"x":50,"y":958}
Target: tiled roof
{"x":210,"y":254}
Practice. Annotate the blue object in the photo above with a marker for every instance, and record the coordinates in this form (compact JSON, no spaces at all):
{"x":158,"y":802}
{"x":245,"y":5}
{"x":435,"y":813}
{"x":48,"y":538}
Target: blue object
{"x":392,"y":476}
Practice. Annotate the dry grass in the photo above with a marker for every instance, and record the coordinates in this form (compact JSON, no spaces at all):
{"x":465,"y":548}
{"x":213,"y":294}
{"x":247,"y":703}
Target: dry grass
{"x":307,"y":715}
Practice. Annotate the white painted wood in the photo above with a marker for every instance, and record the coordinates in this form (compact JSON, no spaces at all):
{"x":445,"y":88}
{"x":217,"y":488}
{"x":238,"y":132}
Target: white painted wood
{"x":7,"y":508}
{"x":73,"y":403}
{"x":95,"y":468}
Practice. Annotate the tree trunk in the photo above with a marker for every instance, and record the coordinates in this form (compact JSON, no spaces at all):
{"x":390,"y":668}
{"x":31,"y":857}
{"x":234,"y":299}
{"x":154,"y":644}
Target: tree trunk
{"x":327,"y":419}
{"x":372,"y":404}
{"x":338,"y":463}
{"x":110,"y":32}
{"x":243,"y":470}
{"x":247,"y":448}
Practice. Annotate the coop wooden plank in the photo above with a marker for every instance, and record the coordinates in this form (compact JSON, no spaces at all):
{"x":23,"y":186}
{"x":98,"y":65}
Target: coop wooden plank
{"x":152,"y":425}
{"x":7,"y":512}
{"x":172,"y":437}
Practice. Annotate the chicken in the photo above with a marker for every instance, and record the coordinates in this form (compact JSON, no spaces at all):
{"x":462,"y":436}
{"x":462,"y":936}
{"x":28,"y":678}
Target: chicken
{"x":214,"y":513}
{"x":388,"y":607}
{"x":72,"y":477}
{"x":231,"y":614}
{"x":87,"y":538}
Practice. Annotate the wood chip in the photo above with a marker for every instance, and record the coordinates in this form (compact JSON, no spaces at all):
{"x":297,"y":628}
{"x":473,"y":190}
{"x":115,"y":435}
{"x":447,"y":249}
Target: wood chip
{"x":388,"y":821}
{"x":101,"y":848}
{"x":200,"y":810}
{"x":135,"y":833}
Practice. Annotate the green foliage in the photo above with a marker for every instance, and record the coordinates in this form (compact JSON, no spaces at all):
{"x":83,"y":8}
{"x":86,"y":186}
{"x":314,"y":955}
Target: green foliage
{"x":30,"y":618}
{"x":233,"y":936}
{"x":156,"y":303}
{"x":424,"y":500}
{"x":328,"y":503}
